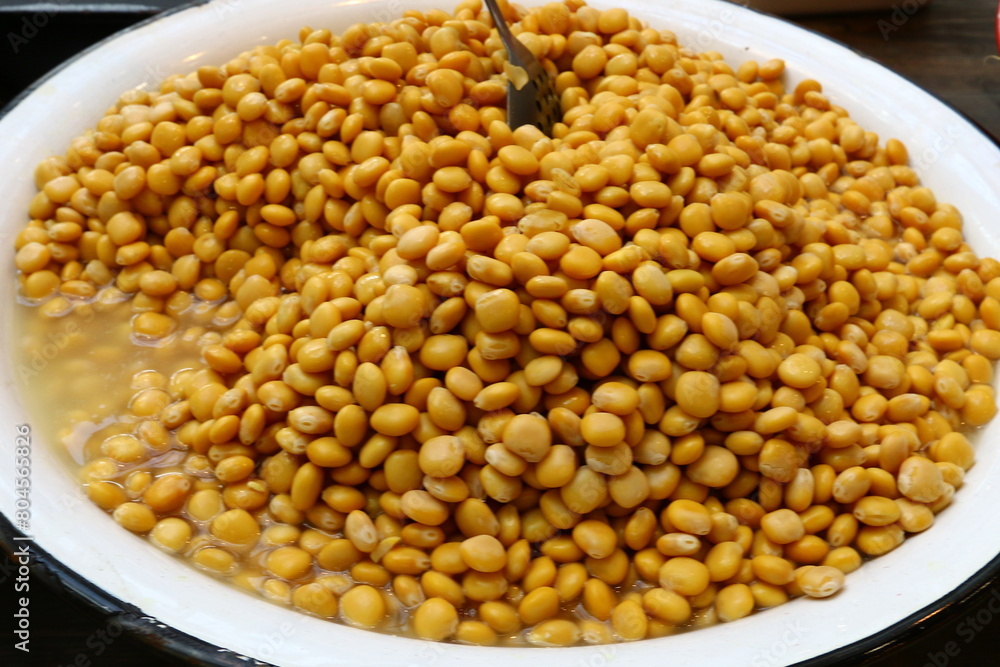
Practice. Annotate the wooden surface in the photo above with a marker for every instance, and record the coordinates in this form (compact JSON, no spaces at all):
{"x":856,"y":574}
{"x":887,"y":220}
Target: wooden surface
{"x":944,"y":47}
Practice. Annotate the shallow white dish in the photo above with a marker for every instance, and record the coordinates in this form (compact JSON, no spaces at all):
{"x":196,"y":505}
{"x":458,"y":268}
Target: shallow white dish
{"x":195,"y":614}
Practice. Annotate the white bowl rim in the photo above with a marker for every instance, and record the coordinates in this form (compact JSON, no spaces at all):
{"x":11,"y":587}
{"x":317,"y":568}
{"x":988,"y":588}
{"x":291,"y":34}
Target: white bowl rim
{"x":187,"y":646}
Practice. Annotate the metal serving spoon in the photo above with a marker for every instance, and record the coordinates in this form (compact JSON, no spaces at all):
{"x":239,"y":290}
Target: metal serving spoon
{"x":535,"y":102}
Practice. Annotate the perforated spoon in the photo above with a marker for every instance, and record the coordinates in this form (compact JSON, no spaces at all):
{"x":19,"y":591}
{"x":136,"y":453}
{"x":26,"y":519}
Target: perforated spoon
{"x":535,"y":102}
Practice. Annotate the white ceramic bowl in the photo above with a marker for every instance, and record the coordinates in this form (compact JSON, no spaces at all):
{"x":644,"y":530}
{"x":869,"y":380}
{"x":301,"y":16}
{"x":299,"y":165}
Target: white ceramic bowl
{"x":164,"y":596}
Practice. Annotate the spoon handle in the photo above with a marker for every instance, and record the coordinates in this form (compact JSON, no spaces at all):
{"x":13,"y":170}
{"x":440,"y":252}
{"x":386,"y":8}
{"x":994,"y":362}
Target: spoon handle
{"x":506,"y":36}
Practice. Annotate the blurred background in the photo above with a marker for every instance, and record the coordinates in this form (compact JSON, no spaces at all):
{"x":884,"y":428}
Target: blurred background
{"x":947,"y":47}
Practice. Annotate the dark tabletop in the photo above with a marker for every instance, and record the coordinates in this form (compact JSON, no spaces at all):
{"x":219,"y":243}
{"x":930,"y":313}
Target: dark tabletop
{"x":944,"y":46}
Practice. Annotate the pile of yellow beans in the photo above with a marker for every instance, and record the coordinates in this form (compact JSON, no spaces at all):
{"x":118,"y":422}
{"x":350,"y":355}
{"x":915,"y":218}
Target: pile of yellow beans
{"x":702,"y":350}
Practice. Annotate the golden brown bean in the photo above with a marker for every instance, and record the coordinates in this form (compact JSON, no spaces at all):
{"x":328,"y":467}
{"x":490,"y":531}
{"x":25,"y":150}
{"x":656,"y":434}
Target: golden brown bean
{"x":920,"y":480}
{"x":363,"y":606}
{"x":819,"y":582}
{"x":483,"y":553}
{"x":135,"y":517}
{"x":681,"y":339}
{"x":435,"y":619}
